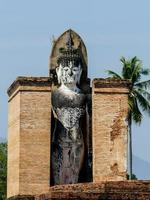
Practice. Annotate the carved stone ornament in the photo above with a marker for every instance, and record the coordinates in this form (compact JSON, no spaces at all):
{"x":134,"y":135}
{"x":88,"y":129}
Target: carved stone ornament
{"x":60,"y":45}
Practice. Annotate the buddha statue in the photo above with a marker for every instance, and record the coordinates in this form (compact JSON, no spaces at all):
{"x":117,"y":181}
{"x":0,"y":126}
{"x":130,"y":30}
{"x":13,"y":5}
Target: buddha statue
{"x":69,"y":107}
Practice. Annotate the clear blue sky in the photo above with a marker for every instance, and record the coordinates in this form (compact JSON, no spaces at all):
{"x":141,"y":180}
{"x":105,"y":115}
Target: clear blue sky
{"x":110,"y":29}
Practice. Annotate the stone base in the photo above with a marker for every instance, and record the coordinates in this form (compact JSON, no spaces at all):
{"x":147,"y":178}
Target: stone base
{"x":22,"y":197}
{"x":109,"y":190}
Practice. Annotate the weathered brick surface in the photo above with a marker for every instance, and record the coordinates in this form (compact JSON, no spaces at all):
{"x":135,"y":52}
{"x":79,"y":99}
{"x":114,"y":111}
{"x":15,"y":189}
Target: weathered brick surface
{"x":13,"y":146}
{"x":105,"y":190}
{"x":109,"y":122}
{"x":29,"y":139}
{"x":109,"y":190}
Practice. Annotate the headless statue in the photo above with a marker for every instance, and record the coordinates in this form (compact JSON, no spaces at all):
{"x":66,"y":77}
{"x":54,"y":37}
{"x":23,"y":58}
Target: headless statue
{"x":68,"y":105}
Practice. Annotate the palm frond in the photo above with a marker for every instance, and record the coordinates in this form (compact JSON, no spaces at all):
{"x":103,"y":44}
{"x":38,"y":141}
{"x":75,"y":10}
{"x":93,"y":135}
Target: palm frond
{"x":136,"y":66}
{"x":113,"y":74}
{"x":129,"y":66}
{"x":145,"y":93}
{"x":126,"y":70}
{"x":143,"y":84}
{"x":145,"y":71}
{"x":123,"y":60}
{"x":144,"y":103}
{"x":135,"y":111}
{"x":134,"y":62}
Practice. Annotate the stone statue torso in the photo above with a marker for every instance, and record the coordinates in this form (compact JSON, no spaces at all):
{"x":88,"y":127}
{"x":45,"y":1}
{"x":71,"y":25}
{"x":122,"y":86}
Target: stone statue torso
{"x":68,"y":143}
{"x":68,"y":107}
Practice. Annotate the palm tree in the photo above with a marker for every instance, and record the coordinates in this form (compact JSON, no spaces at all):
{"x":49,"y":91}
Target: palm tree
{"x":139,"y":97}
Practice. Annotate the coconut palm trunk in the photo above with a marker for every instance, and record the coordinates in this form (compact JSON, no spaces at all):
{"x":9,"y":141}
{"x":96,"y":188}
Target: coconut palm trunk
{"x":130,"y":145}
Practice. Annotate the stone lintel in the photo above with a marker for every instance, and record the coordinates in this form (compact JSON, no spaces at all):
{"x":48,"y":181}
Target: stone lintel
{"x":110,"y":85}
{"x":29,"y":83}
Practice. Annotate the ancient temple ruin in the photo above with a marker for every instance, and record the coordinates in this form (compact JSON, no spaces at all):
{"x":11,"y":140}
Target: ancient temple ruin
{"x":64,"y":130}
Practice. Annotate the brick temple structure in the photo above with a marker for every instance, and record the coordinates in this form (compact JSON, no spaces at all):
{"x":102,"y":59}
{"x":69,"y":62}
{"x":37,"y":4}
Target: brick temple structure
{"x":32,"y":116}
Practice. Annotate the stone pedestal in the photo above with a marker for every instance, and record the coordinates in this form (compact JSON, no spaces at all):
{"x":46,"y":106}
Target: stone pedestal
{"x":105,"y":190}
{"x":29,"y":121}
{"x":109,"y":129}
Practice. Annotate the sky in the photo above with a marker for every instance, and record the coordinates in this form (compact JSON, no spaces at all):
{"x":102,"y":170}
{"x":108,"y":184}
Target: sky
{"x":109,"y":29}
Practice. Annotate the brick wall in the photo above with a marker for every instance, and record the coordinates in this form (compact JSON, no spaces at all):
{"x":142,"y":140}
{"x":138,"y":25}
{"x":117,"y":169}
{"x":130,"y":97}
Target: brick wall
{"x":109,"y":126}
{"x":29,"y":136}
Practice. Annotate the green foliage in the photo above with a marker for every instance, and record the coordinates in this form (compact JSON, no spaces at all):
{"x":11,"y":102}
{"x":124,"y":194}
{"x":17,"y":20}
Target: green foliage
{"x":139,"y":97}
{"x":133,"y":177}
{"x":3,"y":170}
